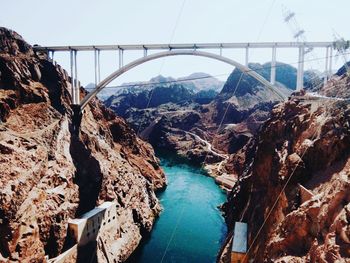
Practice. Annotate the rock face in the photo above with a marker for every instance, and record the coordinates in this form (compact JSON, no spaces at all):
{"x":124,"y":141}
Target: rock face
{"x":294,"y":183}
{"x":174,"y":122}
{"x":344,"y":69}
{"x":51,"y":173}
{"x":155,"y":97}
{"x":161,"y":90}
{"x":337,"y":87}
{"x":199,"y":86}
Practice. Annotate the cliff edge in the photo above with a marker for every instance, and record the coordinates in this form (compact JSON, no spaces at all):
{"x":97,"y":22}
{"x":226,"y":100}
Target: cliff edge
{"x":50,"y":174}
{"x":294,"y":183}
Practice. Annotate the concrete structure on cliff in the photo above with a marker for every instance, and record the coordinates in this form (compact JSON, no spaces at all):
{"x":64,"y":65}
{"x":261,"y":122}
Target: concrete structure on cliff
{"x":196,"y":49}
{"x":86,"y":229}
{"x":239,"y":243}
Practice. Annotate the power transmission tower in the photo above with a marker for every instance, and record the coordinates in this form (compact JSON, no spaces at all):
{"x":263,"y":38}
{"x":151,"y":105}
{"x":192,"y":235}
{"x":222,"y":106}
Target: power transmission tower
{"x":299,"y":35}
{"x":297,"y":31}
{"x":341,"y":46}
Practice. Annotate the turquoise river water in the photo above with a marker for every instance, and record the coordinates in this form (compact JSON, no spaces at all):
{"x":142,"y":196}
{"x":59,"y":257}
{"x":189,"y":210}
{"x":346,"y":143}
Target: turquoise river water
{"x":190,"y":228}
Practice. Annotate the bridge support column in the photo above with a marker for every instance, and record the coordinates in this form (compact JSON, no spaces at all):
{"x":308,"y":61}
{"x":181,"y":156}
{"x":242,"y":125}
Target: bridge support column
{"x":77,"y":89}
{"x":97,"y":66}
{"x":121,"y":51}
{"x":273,"y":67}
{"x":300,"y":73}
{"x":328,"y":67}
{"x":330,"y":62}
{"x":72,"y":76}
{"x":246,"y":56}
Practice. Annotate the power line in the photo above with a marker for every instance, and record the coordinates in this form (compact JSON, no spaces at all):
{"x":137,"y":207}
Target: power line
{"x":138,"y":131}
{"x":288,"y":180}
{"x":266,"y":18}
{"x":163,"y":61}
{"x":237,"y":85}
{"x":214,"y":76}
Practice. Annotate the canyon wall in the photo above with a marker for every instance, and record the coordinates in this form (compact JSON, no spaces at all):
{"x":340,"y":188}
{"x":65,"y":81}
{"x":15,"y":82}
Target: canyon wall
{"x":293,"y":188}
{"x":51,"y":172}
{"x":206,"y":134}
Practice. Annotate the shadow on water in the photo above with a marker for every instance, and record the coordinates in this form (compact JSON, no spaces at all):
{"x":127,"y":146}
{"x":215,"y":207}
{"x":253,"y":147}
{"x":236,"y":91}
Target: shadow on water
{"x":146,"y":238}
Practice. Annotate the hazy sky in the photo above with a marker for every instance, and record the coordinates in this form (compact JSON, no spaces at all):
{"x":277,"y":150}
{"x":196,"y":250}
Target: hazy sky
{"x":86,"y":22}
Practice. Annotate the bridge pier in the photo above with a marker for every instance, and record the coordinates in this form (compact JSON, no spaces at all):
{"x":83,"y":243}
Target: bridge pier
{"x":300,"y":72}
{"x":76,"y":87}
{"x":75,"y":91}
{"x":330,"y":61}
{"x":273,"y":67}
{"x":72,"y":75}
{"x":328,"y":65}
{"x":326,"y":68}
{"x":97,"y":66}
{"x":121,"y":62}
{"x":246,"y":56}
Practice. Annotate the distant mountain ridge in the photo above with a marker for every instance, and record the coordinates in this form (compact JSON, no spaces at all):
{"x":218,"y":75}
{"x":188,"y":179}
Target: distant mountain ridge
{"x":195,"y":82}
{"x":286,"y":76}
{"x":343,"y":69}
{"x":144,"y":98}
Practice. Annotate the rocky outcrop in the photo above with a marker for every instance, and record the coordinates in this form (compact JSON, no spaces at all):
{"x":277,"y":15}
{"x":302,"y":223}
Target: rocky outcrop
{"x":159,"y":91}
{"x":344,"y":69}
{"x":142,"y":99}
{"x":200,"y":85}
{"x":205,"y":134}
{"x":293,"y":188}
{"x":337,"y":87}
{"x":51,"y":173}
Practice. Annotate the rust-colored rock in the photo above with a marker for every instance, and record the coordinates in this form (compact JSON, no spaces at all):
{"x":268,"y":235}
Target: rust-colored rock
{"x":304,"y":144}
{"x":50,"y":173}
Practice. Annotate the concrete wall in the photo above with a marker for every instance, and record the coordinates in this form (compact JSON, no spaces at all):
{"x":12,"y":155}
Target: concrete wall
{"x":86,"y":228}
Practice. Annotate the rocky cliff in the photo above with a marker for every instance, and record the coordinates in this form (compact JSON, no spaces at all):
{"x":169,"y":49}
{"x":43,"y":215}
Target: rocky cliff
{"x":51,"y":173}
{"x":142,"y":99}
{"x":203,"y":133}
{"x":294,"y":182}
{"x":196,"y":83}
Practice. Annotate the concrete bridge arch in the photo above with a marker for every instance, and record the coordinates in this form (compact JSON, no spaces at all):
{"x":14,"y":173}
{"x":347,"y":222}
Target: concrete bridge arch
{"x":100,"y":86}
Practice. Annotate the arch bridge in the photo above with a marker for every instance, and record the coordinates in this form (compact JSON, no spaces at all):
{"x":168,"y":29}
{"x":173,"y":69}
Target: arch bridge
{"x":166,"y":50}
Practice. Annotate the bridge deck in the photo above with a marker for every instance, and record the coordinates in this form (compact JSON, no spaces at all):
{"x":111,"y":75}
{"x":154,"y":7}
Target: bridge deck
{"x":186,"y":46}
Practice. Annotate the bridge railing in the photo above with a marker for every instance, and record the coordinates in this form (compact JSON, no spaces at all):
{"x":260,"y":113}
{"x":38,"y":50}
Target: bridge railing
{"x":301,"y":46}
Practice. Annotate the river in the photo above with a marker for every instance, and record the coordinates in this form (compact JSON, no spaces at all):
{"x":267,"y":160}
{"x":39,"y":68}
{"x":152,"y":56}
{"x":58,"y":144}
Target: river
{"x":190,"y":228}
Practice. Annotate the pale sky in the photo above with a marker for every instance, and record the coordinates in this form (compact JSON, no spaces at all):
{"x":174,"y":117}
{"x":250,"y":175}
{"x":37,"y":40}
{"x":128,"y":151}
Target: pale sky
{"x":85,"y":22}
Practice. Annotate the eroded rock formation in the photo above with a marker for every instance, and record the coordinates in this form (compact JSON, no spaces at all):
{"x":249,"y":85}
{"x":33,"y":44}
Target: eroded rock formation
{"x":208,"y":134}
{"x":294,"y":180}
{"x":50,"y":174}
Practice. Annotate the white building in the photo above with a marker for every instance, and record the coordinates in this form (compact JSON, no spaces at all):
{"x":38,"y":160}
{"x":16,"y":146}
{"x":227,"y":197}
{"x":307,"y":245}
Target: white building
{"x":86,"y":228}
